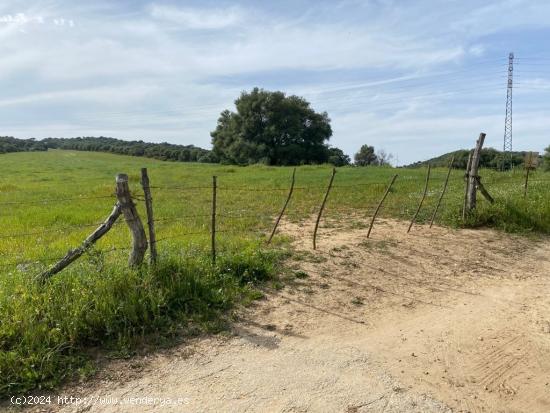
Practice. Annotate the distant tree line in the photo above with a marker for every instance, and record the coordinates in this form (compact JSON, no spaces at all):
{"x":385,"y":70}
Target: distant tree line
{"x":490,"y":158}
{"x":10,"y":144}
{"x":163,"y":151}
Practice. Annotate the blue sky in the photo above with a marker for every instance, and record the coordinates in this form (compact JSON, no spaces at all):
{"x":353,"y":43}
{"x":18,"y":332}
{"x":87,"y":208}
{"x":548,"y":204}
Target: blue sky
{"x":415,"y":78}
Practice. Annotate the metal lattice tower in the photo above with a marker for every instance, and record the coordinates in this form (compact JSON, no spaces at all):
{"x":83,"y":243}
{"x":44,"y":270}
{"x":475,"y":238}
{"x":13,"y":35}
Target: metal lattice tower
{"x":508,"y":119}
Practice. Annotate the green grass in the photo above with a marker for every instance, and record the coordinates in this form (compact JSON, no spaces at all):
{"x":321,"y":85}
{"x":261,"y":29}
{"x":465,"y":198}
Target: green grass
{"x":47,"y":331}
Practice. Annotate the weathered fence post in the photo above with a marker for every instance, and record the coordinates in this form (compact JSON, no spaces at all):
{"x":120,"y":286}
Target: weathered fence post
{"x":322,"y":208}
{"x":443,"y":191}
{"x":380,"y":204}
{"x":150,"y":219}
{"x":472,"y":174}
{"x":74,"y":254}
{"x":284,"y":207}
{"x":214,"y":188}
{"x":483,"y":191}
{"x":422,"y":199}
{"x":466,"y":181}
{"x":139,"y":240}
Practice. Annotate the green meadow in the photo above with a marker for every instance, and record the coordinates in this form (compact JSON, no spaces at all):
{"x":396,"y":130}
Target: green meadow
{"x":50,"y":201}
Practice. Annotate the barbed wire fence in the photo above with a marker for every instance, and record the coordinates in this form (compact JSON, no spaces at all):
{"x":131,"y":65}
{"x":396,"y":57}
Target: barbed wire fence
{"x":219,"y":216}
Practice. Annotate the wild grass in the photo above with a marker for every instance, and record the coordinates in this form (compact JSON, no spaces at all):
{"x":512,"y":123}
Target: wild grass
{"x":47,"y":330}
{"x":57,"y":197}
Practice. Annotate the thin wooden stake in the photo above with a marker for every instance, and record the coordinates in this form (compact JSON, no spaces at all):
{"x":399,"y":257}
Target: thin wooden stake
{"x":72,"y":255}
{"x":443,"y":191}
{"x":380,"y":204}
{"x":150,"y":218}
{"x":139,"y":239}
{"x":421,"y":200}
{"x":467,"y":183}
{"x":284,"y":206}
{"x":322,"y":208}
{"x":214,"y":188}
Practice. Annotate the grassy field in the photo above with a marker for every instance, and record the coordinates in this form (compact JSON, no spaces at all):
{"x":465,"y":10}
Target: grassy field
{"x":50,"y":201}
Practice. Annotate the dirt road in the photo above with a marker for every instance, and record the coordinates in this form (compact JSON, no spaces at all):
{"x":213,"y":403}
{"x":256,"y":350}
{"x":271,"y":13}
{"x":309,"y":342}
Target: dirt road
{"x":435,"y":321}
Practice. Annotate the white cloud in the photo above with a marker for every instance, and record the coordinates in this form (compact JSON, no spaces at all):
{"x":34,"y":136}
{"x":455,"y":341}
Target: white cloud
{"x":191,"y":18}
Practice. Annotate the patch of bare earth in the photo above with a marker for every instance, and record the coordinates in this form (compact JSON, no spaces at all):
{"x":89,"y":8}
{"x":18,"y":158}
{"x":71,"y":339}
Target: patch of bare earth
{"x":437,"y":320}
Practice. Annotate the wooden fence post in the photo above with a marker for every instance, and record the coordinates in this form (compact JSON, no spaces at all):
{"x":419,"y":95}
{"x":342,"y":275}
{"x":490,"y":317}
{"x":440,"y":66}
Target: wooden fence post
{"x":467,"y":183}
{"x":322,"y":208}
{"x":380,"y":204}
{"x":150,"y":218}
{"x":483,"y":191}
{"x":422,"y":199}
{"x":284,"y":206}
{"x":443,"y":191}
{"x":139,"y":240}
{"x":472,"y":174}
{"x":74,"y":254}
{"x":214,"y":188}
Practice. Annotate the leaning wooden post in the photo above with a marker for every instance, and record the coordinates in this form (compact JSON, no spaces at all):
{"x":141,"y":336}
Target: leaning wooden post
{"x":380,"y":204}
{"x":467,"y":182}
{"x":443,"y":191}
{"x":139,"y":239}
{"x":284,"y":207}
{"x":150,"y":219}
{"x":472,"y":175}
{"x":74,"y":254}
{"x":213,"y":228}
{"x":422,"y":199}
{"x":322,"y":208}
{"x":483,"y":191}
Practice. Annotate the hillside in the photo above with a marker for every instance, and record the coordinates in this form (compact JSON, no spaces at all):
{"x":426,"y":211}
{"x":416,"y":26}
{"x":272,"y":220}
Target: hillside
{"x":490,"y":158}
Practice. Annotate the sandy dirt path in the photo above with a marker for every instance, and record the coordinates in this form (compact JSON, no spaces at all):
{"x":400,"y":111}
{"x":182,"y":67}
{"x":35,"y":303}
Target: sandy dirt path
{"x":435,"y":321}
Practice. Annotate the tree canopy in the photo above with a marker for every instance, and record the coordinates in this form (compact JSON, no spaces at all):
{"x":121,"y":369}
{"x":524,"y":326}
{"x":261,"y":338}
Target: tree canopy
{"x":272,"y":128}
{"x":366,"y":156}
{"x":337,"y":157}
{"x":11,"y":144}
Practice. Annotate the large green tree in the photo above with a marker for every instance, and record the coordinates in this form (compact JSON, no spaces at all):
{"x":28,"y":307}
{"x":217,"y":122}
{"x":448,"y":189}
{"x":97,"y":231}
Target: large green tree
{"x":272,"y":128}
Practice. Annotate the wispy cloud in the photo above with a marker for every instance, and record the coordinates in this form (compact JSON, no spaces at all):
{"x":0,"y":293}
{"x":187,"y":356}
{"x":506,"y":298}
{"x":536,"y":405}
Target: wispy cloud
{"x":197,"y":18}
